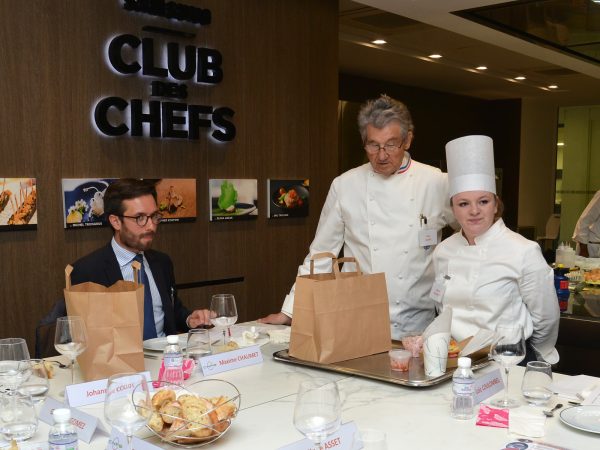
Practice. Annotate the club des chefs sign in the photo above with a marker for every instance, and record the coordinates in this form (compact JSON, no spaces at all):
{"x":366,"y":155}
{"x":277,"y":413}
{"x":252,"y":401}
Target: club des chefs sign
{"x":174,"y":65}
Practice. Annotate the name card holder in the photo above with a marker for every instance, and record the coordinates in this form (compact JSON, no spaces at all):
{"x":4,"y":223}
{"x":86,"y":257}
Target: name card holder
{"x":222,"y":362}
{"x":118,"y":440}
{"x":487,"y":385}
{"x":83,"y":394}
{"x":85,"y":424}
{"x":346,"y":438}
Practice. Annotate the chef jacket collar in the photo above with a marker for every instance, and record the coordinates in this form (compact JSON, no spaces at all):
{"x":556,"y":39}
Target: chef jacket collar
{"x":497,"y":228}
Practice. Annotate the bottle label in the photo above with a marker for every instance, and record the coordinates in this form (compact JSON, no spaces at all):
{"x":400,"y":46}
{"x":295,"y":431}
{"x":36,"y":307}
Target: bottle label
{"x":464,"y":387}
{"x":564,"y":284}
{"x":69,"y":446}
{"x":173,"y":360}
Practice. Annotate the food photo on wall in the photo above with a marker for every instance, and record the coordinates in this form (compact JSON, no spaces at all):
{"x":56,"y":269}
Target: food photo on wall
{"x":287,"y":198}
{"x":233,"y":199}
{"x":18,"y":203}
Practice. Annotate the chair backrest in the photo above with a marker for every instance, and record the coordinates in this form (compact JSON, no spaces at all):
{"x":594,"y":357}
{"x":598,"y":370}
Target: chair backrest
{"x":553,"y":226}
{"x":44,"y":332}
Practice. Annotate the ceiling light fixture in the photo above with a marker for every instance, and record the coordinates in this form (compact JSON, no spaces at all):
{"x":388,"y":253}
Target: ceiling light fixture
{"x":481,"y":68}
{"x":520,"y":78}
{"x":435,"y":56}
{"x":560,"y":144}
{"x":378,"y":42}
{"x":553,"y":86}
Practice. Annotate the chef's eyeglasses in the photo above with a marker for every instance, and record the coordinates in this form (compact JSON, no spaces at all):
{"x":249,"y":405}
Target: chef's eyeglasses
{"x":142,"y":219}
{"x":390,"y":147}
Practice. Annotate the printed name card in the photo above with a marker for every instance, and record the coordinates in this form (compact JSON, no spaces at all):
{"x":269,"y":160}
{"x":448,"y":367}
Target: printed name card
{"x":118,"y":441}
{"x":487,"y":385}
{"x":222,"y":362}
{"x":85,"y":424}
{"x":343,"y":439}
{"x":83,"y":394}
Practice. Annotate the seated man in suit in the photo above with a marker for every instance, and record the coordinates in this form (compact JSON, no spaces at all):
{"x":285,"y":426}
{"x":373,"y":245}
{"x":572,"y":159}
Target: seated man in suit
{"x":131,"y":210}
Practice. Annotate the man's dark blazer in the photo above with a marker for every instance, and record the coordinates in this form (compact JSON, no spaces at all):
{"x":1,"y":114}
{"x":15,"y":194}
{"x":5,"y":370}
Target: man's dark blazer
{"x":101,"y":266}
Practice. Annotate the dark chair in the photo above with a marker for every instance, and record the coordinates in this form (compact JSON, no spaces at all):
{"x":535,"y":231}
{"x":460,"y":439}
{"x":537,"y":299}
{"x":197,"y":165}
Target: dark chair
{"x":44,"y":332}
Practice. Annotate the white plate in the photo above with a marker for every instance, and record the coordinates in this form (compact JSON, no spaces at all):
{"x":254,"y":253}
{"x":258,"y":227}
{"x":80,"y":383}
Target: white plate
{"x":159,"y":343}
{"x":586,"y":418}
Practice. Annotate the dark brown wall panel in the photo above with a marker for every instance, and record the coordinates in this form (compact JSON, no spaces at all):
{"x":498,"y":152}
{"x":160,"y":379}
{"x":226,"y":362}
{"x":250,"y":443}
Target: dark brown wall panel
{"x":280,"y":78}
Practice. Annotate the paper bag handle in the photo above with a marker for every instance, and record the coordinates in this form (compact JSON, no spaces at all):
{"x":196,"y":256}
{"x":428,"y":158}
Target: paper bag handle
{"x":320,"y":256}
{"x":68,"y":271}
{"x":336,"y":265}
{"x":136,"y":266}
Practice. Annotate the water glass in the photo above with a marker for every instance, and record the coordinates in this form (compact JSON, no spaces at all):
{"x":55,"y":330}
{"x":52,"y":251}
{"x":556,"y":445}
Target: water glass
{"x":17,"y":417}
{"x":536,"y":386}
{"x":37,"y":384}
{"x":372,"y":439}
{"x":318,"y":409}
{"x":198,"y":344}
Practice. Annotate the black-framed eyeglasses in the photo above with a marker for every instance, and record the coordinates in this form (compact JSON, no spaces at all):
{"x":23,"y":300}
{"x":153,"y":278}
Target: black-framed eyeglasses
{"x":389,"y":147}
{"x":142,"y":219}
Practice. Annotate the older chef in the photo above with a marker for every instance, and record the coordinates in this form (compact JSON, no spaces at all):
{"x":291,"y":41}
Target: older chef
{"x":587,"y":230}
{"x":487,"y":272}
{"x":388,"y":214}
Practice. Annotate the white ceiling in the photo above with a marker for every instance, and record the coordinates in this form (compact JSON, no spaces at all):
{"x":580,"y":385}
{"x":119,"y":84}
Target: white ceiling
{"x":417,"y":28}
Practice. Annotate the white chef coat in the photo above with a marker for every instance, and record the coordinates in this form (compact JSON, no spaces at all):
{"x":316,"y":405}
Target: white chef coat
{"x":587,"y":230}
{"x":377,"y":220}
{"x":502,"y":277}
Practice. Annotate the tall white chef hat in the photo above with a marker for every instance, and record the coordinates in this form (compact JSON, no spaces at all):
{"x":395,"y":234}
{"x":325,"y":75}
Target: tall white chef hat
{"x":471,"y":164}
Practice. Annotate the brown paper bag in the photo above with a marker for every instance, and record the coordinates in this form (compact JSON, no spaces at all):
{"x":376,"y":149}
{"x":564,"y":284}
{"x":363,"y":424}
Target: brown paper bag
{"x":339,"y":315}
{"x":114,"y":318}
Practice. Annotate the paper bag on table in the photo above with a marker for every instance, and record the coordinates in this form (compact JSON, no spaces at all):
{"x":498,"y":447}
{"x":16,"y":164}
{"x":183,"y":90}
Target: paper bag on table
{"x":339,"y":315}
{"x":114,"y":318}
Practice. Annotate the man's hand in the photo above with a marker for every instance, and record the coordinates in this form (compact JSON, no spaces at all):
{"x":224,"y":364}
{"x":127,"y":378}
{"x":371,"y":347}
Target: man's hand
{"x":199,"y":317}
{"x":276,"y":319}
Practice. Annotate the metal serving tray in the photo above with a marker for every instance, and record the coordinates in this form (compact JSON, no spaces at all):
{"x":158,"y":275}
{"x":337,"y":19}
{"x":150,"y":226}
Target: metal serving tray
{"x":377,"y":367}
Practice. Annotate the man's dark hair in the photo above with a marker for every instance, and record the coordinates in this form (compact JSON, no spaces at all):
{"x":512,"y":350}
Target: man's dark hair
{"x":125,"y":189}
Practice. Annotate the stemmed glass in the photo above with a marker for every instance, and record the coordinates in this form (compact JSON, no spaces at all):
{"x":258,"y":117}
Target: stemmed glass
{"x":127,"y":396}
{"x":223,"y":312}
{"x":508,"y":350}
{"x":70,"y":339}
{"x":318,"y":409}
{"x":14,"y":368}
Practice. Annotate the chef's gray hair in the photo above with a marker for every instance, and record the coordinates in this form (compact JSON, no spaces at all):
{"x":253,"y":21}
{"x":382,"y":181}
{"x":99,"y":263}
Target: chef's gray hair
{"x":380,"y":112}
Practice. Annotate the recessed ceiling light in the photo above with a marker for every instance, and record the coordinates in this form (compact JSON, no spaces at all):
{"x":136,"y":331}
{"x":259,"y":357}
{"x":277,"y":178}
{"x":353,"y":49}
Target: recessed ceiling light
{"x":553,"y":86}
{"x":560,"y":144}
{"x":521,"y":78}
{"x":379,"y":42}
{"x":435,"y":56}
{"x":481,"y":68}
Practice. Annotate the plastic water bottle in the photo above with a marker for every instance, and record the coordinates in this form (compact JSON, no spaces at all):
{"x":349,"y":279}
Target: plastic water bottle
{"x":62,"y":436}
{"x":173,"y":361}
{"x":463,"y":400}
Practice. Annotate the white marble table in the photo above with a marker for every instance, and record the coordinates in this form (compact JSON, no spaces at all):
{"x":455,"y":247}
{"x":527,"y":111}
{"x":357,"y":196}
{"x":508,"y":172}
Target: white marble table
{"x":415,"y":418}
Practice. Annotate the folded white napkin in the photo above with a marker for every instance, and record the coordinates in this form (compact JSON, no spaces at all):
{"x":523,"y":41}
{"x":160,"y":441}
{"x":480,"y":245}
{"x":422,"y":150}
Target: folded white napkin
{"x":526,"y":421}
{"x":483,"y":338}
{"x":575,"y":388}
{"x":280,"y":335}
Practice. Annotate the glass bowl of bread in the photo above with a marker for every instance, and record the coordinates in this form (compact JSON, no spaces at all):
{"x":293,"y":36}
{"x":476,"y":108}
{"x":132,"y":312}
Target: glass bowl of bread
{"x":193,"y":415}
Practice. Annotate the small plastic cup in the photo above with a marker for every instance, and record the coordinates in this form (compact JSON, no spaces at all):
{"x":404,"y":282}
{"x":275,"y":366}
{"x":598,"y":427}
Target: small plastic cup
{"x":413,"y":342}
{"x":400,"y":359}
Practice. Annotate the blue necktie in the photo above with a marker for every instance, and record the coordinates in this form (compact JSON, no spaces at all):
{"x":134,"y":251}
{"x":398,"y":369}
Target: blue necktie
{"x":149,"y":326}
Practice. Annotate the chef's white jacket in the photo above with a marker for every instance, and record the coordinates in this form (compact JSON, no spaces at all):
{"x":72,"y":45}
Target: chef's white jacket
{"x":587,"y":230}
{"x":503,"y":277}
{"x":377,"y":221}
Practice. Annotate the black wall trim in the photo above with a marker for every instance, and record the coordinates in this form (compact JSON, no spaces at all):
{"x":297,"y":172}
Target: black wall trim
{"x":197,"y":284}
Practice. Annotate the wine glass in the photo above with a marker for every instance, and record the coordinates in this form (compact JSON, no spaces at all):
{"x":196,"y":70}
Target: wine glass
{"x":508,"y":350}
{"x":127,"y":398}
{"x":317,"y":413}
{"x":13,"y":371}
{"x":70,"y":339}
{"x":223,"y":312}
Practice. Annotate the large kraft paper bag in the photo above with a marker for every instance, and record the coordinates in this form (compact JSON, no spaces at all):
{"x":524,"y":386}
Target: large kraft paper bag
{"x":114,"y":318}
{"x":339,"y":315}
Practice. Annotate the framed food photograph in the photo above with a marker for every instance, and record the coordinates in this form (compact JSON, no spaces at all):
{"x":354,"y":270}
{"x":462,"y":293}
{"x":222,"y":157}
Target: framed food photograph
{"x":287,"y":198}
{"x":18,"y":204}
{"x":233,"y":199}
{"x":176,"y":198}
{"x":83,"y":201}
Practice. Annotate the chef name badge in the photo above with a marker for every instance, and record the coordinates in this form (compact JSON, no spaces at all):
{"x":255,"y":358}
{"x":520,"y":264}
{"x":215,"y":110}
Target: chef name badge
{"x":438,"y":289}
{"x":427,"y":238}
